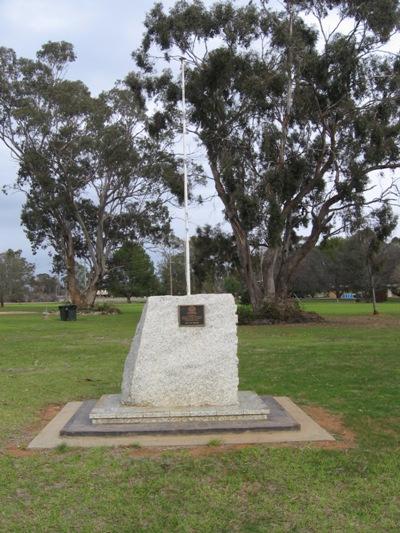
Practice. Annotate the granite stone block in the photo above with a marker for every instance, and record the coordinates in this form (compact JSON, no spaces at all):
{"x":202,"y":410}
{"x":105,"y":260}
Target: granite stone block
{"x":175,"y":366}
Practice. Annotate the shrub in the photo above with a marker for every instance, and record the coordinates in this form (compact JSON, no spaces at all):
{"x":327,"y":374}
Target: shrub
{"x":107,"y":309}
{"x":273,"y":312}
{"x":245,"y":314}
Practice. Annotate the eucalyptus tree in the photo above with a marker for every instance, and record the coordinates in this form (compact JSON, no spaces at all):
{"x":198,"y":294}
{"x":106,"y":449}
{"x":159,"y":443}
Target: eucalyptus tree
{"x":214,"y":258}
{"x":372,"y":238}
{"x":91,"y":174}
{"x":131,"y":272}
{"x":296,"y":108}
{"x":344,"y":264}
{"x":312,"y":275}
{"x":16,"y":275}
{"x":45,"y":287}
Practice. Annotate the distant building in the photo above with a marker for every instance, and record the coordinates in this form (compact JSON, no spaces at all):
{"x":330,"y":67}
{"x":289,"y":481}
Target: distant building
{"x":102,"y":292}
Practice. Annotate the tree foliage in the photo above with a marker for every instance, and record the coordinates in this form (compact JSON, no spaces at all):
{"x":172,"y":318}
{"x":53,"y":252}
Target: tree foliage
{"x":313,"y":275}
{"x":171,"y":271}
{"x":372,"y":239}
{"x":214,"y":258}
{"x":45,"y":288}
{"x":92,"y":174}
{"x":131,"y":272}
{"x":16,"y":275}
{"x":360,"y":263}
{"x":294,"y":116}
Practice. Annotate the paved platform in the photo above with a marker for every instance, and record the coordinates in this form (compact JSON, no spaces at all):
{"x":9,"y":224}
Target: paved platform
{"x":81,"y":424}
{"x":287,"y":423}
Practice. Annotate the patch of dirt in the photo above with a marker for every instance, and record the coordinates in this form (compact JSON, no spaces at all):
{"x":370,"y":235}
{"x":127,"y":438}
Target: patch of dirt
{"x":15,"y":451}
{"x":345,"y":437}
{"x":16,"y":447}
{"x":48,"y":413}
{"x":45,"y":415}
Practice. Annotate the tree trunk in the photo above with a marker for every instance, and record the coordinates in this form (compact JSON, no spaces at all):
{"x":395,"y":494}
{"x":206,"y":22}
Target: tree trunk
{"x":128,"y":299}
{"x":374,"y":301}
{"x":170,"y":275}
{"x":78,"y":297}
{"x":268,"y":272}
{"x":372,"y":285}
{"x":1,"y":300}
{"x":89,"y":295}
{"x":246,"y":264}
{"x":282,"y":291}
{"x":74,"y":293}
{"x":242,"y":243}
{"x":249,"y":275}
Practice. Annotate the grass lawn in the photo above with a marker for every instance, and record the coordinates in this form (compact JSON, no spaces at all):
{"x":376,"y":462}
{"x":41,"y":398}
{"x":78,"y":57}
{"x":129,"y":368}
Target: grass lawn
{"x":348,"y":366}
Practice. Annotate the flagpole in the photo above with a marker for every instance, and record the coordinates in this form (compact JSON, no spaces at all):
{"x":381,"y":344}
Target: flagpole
{"x":185,"y":182}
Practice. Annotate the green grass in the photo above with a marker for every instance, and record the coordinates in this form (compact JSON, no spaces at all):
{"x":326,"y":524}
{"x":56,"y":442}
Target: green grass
{"x":347,"y":365}
{"x":350,"y":308}
{"x":37,"y":307}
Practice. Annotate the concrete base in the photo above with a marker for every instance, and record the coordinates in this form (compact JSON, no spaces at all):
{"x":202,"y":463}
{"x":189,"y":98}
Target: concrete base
{"x":309,"y":431}
{"x":81,"y":425}
{"x":109,"y":410}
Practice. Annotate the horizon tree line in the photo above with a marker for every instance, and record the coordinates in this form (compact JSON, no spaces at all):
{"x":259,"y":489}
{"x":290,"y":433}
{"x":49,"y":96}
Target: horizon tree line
{"x":338,"y":265}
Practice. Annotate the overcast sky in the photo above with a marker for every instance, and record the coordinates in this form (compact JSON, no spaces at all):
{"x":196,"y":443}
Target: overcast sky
{"x":104,"y":33}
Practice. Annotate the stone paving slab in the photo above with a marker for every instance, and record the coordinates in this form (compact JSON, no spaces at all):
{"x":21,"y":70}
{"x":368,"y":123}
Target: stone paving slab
{"x":309,"y":431}
{"x":109,"y":410}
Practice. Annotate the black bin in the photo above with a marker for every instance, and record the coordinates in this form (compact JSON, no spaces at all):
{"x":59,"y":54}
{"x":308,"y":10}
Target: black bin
{"x":67,"y":312}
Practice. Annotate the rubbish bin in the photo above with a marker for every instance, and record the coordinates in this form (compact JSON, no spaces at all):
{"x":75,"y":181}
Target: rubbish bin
{"x":67,"y":312}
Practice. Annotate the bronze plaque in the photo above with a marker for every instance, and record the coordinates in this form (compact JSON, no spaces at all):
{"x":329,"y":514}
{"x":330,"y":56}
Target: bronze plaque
{"x":191,"y":315}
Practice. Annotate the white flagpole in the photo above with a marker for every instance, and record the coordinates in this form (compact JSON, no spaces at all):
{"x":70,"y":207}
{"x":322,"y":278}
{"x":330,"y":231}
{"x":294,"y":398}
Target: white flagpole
{"x":185,"y":182}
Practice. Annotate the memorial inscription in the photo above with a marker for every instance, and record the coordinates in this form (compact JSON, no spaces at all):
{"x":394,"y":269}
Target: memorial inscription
{"x":191,"y":315}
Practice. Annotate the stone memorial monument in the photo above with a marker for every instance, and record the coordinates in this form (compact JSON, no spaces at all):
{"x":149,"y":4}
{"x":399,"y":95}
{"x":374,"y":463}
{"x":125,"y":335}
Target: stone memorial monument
{"x":182,"y":366}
